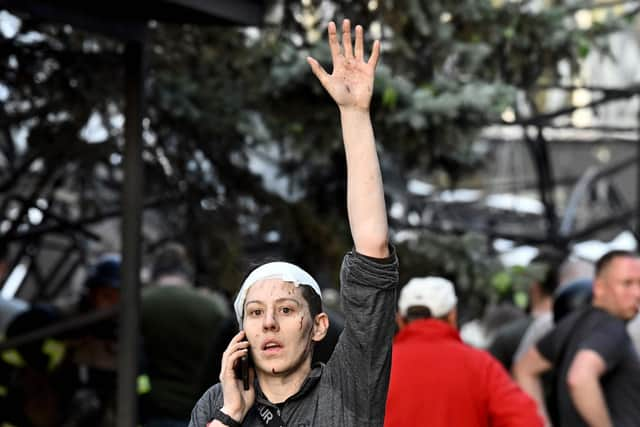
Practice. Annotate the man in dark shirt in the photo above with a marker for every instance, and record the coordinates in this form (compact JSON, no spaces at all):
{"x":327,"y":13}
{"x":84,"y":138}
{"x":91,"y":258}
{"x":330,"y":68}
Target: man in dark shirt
{"x":597,"y":369}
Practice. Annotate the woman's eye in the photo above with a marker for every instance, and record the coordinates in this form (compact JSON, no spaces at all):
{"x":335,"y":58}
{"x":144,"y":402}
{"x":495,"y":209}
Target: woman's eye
{"x":256,"y":312}
{"x":286,"y":310}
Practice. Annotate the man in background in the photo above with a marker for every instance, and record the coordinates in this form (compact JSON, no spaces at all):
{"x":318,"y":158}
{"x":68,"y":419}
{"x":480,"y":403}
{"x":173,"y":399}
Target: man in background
{"x":596,"y":366}
{"x":94,"y":349}
{"x":557,"y":277}
{"x":182,"y":327}
{"x":509,"y":337}
{"x":436,"y":379}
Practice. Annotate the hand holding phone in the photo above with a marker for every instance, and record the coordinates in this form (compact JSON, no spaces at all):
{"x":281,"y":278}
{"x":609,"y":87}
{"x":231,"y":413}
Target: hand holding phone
{"x":238,"y":399}
{"x":242,"y":370}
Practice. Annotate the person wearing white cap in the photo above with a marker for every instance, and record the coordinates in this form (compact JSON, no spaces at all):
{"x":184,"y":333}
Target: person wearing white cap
{"x":279,"y":306}
{"x":439,"y":381}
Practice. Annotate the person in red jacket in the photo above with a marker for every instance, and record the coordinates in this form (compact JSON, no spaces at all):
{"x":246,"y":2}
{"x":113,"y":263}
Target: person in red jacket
{"x":436,"y":379}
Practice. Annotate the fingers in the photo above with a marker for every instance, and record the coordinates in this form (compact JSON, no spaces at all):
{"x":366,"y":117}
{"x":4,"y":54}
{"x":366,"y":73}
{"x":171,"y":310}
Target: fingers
{"x":333,"y":42}
{"x":347,"y":50}
{"x":359,"y":50}
{"x":346,"y":39}
{"x":236,"y":349}
{"x":241,"y":348}
{"x":236,"y":338}
{"x":317,"y":69}
{"x":375,"y":54}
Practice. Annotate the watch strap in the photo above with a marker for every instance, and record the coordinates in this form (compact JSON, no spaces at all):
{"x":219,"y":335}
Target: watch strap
{"x":226,"y":419}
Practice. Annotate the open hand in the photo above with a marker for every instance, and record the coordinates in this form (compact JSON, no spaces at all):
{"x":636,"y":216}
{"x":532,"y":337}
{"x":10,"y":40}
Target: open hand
{"x":351,"y":82}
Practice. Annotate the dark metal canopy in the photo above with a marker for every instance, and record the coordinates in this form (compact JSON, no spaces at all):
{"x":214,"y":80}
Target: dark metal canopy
{"x":125,"y":19}
{"x":207,"y":12}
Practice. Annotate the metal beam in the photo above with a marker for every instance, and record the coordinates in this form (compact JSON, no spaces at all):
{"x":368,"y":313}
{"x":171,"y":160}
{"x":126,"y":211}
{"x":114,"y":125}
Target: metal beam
{"x":241,"y":11}
{"x":637,"y":218}
{"x":117,"y":18}
{"x":540,"y":156}
{"x":75,"y":323}
{"x":128,"y":336}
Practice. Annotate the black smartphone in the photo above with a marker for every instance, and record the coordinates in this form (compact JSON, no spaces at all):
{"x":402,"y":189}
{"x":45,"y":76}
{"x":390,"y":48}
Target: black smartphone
{"x":242,"y":369}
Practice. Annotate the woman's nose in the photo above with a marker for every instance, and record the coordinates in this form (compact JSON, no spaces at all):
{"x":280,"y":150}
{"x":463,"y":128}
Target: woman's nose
{"x":269,"y":321}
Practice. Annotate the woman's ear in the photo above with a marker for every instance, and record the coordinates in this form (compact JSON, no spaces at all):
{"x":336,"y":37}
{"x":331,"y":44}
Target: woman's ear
{"x":320,"y":327}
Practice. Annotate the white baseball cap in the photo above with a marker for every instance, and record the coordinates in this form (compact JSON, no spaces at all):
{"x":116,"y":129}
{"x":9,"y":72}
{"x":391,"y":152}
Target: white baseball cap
{"x":435,"y":293}
{"x":284,"y":271}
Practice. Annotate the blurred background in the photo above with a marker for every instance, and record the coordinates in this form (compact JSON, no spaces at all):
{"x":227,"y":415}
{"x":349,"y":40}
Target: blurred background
{"x":506,"y":130}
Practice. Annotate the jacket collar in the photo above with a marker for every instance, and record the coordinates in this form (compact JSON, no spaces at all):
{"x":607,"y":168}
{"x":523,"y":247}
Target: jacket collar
{"x":309,"y":383}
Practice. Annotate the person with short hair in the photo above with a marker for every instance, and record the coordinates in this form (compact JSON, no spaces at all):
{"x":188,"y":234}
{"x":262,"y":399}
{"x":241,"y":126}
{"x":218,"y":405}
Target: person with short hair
{"x":182,"y":329}
{"x":102,"y":285}
{"x":512,"y":338}
{"x":94,"y":349}
{"x":439,"y":381}
{"x":279,"y":307}
{"x":596,"y":366}
{"x":541,"y":295}
{"x":36,"y":383}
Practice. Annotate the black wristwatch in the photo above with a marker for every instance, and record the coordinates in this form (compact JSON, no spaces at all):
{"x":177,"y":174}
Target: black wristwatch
{"x":225,"y":419}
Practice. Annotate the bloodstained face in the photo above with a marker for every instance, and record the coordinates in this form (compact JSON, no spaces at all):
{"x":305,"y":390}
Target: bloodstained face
{"x":279,"y":327}
{"x":617,"y":288}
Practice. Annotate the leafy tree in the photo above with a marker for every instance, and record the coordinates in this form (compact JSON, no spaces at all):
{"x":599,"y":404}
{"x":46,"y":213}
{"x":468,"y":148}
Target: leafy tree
{"x":242,"y":147}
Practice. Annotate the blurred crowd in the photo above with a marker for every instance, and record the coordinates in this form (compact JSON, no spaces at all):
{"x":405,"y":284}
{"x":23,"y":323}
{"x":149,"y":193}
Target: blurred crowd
{"x":570,"y":359}
{"x":70,"y":379}
{"x":515,"y":374}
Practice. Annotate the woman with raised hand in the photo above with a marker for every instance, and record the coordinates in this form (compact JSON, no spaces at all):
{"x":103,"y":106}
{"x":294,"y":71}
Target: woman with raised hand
{"x":279,"y":307}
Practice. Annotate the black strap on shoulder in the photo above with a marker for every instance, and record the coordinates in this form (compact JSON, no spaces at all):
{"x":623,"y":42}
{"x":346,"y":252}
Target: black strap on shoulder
{"x":268,"y":417}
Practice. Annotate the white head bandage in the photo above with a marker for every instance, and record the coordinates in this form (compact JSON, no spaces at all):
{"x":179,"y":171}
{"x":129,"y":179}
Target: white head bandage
{"x":273,"y":270}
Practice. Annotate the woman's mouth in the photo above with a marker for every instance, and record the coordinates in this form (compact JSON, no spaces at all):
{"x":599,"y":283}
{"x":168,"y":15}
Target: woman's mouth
{"x":271,"y":347}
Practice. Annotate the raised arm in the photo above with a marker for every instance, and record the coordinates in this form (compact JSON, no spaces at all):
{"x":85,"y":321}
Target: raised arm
{"x":583,"y":380}
{"x":351,"y":86}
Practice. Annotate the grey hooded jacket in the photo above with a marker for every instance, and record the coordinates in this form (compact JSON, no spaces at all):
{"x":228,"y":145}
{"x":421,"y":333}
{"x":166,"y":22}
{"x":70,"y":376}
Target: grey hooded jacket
{"x":351,"y":389}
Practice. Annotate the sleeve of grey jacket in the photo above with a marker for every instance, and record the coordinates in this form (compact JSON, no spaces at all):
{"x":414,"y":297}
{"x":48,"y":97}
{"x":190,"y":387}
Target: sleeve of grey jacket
{"x":208,"y":404}
{"x":361,"y":362}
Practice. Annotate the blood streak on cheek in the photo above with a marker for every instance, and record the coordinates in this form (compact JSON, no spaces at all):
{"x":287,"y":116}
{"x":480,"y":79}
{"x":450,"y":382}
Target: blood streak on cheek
{"x":301,"y":322}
